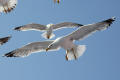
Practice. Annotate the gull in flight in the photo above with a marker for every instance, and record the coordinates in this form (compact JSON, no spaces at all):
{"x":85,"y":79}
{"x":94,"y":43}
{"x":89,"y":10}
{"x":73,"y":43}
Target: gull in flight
{"x":4,"y":40}
{"x":58,"y":1}
{"x":75,"y":51}
{"x":48,"y":28}
{"x":72,"y":51}
{"x":7,"y":5}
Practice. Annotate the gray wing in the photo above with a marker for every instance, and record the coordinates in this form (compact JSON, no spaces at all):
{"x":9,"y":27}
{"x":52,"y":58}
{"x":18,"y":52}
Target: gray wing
{"x":29,"y":49}
{"x":7,"y":5}
{"x":4,"y":40}
{"x":66,"y":25}
{"x":32,"y":26}
{"x":86,"y":30}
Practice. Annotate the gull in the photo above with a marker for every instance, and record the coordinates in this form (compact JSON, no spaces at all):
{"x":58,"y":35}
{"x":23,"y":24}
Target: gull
{"x":72,"y":51}
{"x":48,"y":28}
{"x":67,"y":42}
{"x":58,"y":1}
{"x":4,"y":40}
{"x":7,"y":5}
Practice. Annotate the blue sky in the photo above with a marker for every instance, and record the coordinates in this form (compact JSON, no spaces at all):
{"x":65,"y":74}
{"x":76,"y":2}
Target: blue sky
{"x":99,"y":62}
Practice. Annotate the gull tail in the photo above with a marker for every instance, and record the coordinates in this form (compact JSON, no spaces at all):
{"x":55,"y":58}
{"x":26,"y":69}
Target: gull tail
{"x":78,"y":51}
{"x":110,"y":21}
{"x":48,"y":36}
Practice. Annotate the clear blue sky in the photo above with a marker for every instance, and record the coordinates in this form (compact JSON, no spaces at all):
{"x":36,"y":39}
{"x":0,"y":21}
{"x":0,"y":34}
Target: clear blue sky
{"x":101,"y":61}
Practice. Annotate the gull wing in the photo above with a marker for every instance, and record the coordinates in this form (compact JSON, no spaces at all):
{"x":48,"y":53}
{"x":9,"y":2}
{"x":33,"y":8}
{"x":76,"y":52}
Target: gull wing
{"x":7,"y":5}
{"x":66,"y":25}
{"x":32,"y":26}
{"x":86,"y":30}
{"x":4,"y":40}
{"x":29,"y":49}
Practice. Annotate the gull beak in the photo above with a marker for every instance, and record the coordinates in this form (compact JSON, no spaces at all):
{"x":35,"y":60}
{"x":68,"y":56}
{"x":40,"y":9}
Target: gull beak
{"x":47,"y":49}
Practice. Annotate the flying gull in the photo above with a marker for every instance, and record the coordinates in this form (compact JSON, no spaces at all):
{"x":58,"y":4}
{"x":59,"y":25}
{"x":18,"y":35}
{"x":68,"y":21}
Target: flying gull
{"x":7,"y":5}
{"x":48,"y":28}
{"x":75,"y":51}
{"x":72,"y":51}
{"x":4,"y":40}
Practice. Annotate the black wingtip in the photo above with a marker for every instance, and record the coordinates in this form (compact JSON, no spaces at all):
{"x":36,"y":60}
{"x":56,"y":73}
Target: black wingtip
{"x":110,"y":21}
{"x":17,"y":28}
{"x":10,"y":54}
{"x":5,"y":39}
{"x":80,"y":25}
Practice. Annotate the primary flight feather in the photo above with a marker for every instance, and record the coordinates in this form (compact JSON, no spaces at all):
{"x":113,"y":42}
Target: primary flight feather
{"x":4,"y":40}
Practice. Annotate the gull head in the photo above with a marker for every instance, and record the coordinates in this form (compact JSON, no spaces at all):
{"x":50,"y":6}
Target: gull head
{"x":49,"y":25}
{"x":51,"y":46}
{"x":56,"y":44}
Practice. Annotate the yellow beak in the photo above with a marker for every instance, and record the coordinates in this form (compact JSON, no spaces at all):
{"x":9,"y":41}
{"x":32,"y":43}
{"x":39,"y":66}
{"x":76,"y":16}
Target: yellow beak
{"x":47,"y":49}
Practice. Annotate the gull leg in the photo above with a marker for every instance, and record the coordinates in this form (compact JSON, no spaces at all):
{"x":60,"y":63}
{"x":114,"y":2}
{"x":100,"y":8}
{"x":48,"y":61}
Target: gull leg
{"x":54,"y":1}
{"x":74,"y":53}
{"x":58,"y":1}
{"x":66,"y":55}
{"x":5,"y":10}
{"x":9,"y":9}
{"x":48,"y":37}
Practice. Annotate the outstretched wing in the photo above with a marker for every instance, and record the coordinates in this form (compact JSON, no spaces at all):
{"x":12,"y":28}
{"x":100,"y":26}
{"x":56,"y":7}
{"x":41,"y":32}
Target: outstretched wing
{"x":7,"y":5}
{"x":4,"y":40}
{"x":66,"y":25}
{"x":86,"y":30}
{"x":32,"y":26}
{"x":29,"y":49}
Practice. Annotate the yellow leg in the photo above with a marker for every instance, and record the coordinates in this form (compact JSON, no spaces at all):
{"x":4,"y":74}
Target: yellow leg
{"x":48,"y":37}
{"x":66,"y":55}
{"x":74,"y":53}
{"x":5,"y":10}
{"x":8,"y":9}
{"x":58,"y":1}
{"x":54,"y":1}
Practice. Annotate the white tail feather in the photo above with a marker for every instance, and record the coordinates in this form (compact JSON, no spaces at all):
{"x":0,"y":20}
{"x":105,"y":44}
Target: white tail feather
{"x":79,"y":50}
{"x":45,"y":35}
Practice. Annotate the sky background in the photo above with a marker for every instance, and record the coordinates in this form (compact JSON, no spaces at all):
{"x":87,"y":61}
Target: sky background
{"x":101,"y":60}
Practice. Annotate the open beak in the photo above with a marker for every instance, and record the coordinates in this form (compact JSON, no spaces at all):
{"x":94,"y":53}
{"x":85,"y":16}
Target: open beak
{"x":47,"y":49}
